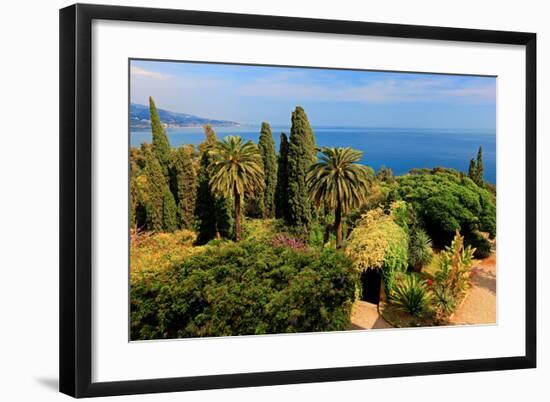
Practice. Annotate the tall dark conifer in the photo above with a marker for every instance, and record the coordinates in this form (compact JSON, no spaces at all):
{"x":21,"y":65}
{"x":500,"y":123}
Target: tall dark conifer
{"x":161,"y":145}
{"x":185,"y":186}
{"x":301,"y":155}
{"x":213,"y":213}
{"x":156,"y":184}
{"x":472,"y":170}
{"x":281,"y":191}
{"x":266,"y":146}
{"x":204,"y":207}
{"x":479,"y":167}
{"x":169,"y":210}
{"x":475,"y":170}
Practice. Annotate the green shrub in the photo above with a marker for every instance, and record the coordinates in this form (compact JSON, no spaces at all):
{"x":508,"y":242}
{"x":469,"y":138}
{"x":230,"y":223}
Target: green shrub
{"x":260,"y":230}
{"x":483,"y":247}
{"x":446,"y":201}
{"x":411,"y":295}
{"x":317,"y":235}
{"x":244,"y":289}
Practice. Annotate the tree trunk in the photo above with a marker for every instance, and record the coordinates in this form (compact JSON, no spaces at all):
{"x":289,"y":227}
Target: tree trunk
{"x":338,"y":224}
{"x":237,"y":213}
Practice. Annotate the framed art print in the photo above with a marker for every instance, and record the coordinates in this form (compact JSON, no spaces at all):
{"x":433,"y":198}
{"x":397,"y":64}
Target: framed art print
{"x":255,"y":200}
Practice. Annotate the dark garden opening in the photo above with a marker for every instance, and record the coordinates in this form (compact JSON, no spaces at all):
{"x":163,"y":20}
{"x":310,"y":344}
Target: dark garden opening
{"x":371,"y":281}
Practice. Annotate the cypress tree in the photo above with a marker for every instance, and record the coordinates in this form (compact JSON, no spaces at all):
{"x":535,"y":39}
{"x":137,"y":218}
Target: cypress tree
{"x":301,"y":155}
{"x":210,"y":140}
{"x":156,"y":184}
{"x":133,"y":202}
{"x":479,"y":168}
{"x":472,"y":170}
{"x":185,"y":186}
{"x":161,"y":145}
{"x":214,"y":217}
{"x":281,"y":191}
{"x":204,"y":207}
{"x":169,"y":210}
{"x":266,"y":146}
{"x":475,"y":170}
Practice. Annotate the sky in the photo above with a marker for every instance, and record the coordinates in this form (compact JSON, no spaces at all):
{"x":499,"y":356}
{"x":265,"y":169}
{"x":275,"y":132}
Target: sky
{"x":250,"y":94}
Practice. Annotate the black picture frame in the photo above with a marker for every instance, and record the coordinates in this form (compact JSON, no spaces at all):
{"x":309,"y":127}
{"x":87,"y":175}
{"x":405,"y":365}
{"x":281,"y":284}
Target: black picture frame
{"x":76,"y":199}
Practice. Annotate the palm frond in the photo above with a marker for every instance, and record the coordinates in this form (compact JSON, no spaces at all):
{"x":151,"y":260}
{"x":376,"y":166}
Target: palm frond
{"x":235,"y":166}
{"x":338,"y":179}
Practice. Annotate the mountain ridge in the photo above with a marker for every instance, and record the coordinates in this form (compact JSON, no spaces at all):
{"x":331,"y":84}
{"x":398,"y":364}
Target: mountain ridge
{"x":140,"y":118}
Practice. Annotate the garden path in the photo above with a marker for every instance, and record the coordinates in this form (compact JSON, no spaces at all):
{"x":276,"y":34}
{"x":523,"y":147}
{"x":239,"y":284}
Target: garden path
{"x":365,"y":315}
{"x":479,"y":307}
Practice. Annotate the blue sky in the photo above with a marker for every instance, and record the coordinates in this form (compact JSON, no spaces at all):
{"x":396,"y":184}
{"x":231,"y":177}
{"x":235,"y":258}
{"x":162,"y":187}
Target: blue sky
{"x":252,"y":94}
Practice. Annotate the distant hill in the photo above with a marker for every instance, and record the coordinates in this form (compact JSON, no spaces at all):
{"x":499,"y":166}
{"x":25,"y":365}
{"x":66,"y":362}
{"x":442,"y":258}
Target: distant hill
{"x":139,"y":118}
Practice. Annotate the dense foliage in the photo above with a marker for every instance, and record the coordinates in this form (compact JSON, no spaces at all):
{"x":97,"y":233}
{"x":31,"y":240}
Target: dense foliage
{"x":245,"y":288}
{"x":445,"y":202}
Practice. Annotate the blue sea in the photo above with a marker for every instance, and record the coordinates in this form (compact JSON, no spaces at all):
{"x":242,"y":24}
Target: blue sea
{"x":400,"y":149}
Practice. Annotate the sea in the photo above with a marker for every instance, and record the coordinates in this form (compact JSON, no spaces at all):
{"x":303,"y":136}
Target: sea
{"x":399,"y":149}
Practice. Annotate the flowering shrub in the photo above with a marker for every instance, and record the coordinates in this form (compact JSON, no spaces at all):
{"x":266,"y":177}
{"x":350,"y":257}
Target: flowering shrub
{"x":379,"y":243}
{"x":283,"y":240}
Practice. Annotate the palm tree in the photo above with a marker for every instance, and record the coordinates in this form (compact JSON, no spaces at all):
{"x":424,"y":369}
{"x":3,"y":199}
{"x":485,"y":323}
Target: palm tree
{"x":339,"y":182}
{"x":236,"y":170}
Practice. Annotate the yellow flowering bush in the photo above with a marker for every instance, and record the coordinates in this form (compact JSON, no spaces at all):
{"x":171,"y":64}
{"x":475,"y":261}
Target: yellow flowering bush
{"x":152,"y":253}
{"x":378,"y":242}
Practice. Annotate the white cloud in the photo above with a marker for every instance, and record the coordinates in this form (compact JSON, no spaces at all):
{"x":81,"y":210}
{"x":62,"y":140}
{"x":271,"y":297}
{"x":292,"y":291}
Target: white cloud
{"x":138,"y":71}
{"x":379,"y":91}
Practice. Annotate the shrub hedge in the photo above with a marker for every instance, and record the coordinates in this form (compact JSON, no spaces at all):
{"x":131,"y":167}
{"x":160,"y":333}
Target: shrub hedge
{"x":243,"y":289}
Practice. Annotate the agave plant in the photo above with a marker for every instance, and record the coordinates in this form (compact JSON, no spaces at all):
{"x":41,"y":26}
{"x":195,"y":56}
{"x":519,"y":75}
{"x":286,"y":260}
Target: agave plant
{"x":444,"y":301}
{"x":412,"y":295}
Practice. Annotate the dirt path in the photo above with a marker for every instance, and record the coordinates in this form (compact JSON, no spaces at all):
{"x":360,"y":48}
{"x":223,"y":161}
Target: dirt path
{"x":365,"y":315}
{"x":479,"y":307}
